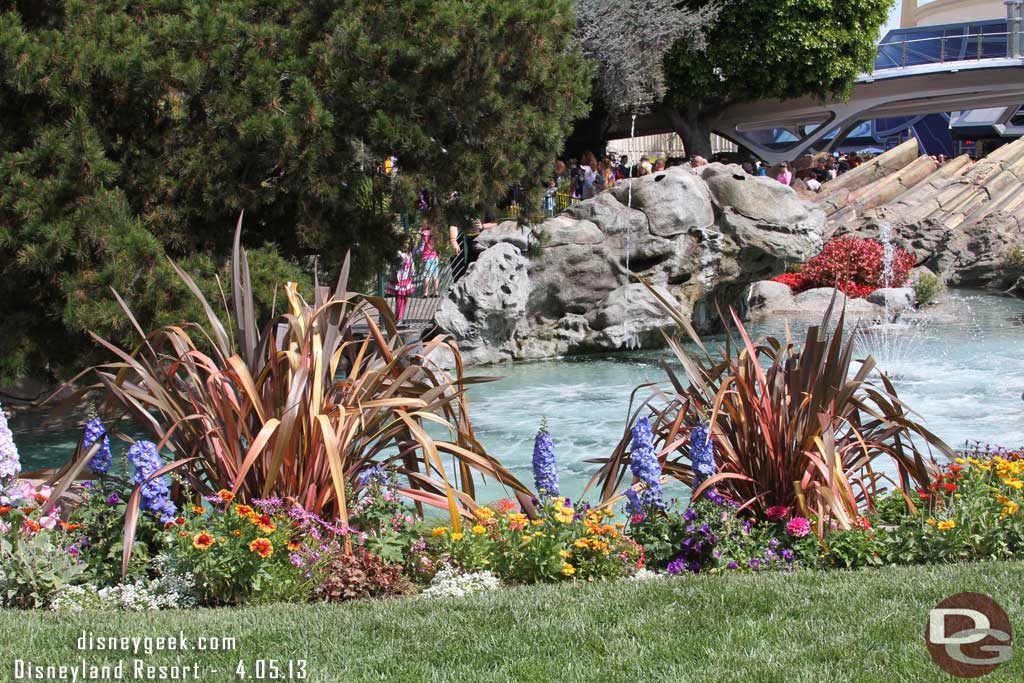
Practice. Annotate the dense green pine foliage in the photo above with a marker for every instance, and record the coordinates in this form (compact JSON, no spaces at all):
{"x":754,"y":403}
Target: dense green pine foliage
{"x":135,"y":131}
{"x":761,"y":49}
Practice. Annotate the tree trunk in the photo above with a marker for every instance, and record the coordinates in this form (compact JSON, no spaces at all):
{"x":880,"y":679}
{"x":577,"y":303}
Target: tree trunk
{"x":692,"y":126}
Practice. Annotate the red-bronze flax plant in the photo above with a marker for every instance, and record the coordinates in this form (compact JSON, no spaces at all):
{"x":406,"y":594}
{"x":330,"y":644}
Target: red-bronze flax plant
{"x":802,"y":426}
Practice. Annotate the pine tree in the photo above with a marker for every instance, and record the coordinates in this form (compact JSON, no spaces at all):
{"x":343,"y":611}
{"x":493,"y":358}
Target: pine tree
{"x":133,"y":132}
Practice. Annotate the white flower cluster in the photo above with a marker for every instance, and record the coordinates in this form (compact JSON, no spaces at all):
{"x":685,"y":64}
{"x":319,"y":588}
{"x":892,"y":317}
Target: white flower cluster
{"x":135,"y":597}
{"x":645,"y":575}
{"x":175,"y":579}
{"x":451,"y":583}
{"x":10,"y":463}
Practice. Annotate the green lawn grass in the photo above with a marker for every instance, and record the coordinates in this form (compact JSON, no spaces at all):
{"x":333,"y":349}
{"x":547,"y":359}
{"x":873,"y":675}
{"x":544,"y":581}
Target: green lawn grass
{"x":810,"y":626}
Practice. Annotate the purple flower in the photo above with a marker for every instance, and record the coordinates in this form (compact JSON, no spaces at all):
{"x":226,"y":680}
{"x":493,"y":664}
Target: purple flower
{"x":113,"y":499}
{"x":297,"y":560}
{"x":676,"y":566}
{"x":770,"y":555}
{"x":545,"y":468}
{"x":774,"y":543}
{"x":788,"y":555}
{"x":96,"y":431}
{"x":643,"y":461}
{"x":732,"y":565}
{"x":693,"y":566}
{"x":690,"y":514}
{"x":754,"y":564}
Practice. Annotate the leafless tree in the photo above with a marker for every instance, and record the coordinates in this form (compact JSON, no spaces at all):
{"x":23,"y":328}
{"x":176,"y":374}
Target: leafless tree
{"x":629,"y":38}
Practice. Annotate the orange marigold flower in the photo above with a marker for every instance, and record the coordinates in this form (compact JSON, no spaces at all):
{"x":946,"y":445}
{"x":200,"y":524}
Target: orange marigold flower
{"x":39,"y":498}
{"x":70,"y":527}
{"x":32,"y":525}
{"x":243,"y":510}
{"x":505,"y":505}
{"x":4,"y":509}
{"x":236,"y":532}
{"x":198,"y":510}
{"x":27,"y":510}
{"x":202,"y":540}
{"x":294,"y":545}
{"x":225,"y":495}
{"x":264,"y":523}
{"x":262,"y":547}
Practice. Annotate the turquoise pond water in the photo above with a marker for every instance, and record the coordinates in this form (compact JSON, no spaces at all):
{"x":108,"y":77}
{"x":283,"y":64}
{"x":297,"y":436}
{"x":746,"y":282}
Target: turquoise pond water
{"x":963,"y":373}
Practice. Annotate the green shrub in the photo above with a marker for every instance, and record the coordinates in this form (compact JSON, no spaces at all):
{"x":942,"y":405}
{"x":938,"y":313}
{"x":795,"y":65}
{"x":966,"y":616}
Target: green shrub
{"x":34,"y":569}
{"x":927,"y":289}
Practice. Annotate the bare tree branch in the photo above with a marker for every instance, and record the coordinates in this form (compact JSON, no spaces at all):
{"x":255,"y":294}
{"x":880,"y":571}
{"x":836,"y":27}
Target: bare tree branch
{"x":629,"y":38}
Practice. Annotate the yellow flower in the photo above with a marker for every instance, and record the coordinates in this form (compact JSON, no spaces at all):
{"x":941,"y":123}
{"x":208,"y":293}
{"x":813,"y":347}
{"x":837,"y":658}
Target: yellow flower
{"x":198,"y":509}
{"x":564,"y":554}
{"x":457,"y":536}
{"x":527,"y":538}
{"x":961,"y":461}
{"x":947,"y":525}
{"x":1015,"y":483}
{"x":477,"y":529}
{"x":439,"y":531}
{"x":537,"y":522}
{"x":1010,"y":508}
{"x":202,"y":540}
{"x":484,"y":513}
{"x":568,"y":569}
{"x":581,"y":543}
{"x":517,"y":520}
{"x":930,"y":521}
{"x":564,"y":518}
{"x":262,"y":547}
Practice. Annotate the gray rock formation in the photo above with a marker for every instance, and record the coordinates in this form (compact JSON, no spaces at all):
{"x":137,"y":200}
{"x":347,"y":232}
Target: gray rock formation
{"x":766,"y":301}
{"x":893,"y":299}
{"x":482,"y":311}
{"x":698,"y":237}
{"x":960,"y":219}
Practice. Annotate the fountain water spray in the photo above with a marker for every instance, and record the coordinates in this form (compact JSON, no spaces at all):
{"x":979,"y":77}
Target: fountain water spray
{"x":632,"y":339}
{"x":888,"y":342}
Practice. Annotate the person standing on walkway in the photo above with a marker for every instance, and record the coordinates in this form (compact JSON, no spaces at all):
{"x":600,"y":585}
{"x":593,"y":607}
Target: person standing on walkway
{"x":428,"y":259}
{"x":588,"y":175}
{"x":784,"y":176}
{"x":401,"y":283}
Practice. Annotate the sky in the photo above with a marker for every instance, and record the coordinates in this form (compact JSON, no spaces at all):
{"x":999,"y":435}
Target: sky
{"x":894,"y":18}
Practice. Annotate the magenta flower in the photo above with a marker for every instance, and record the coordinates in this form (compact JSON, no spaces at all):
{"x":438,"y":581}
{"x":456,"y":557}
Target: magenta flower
{"x":777,"y":513}
{"x":798,"y":527}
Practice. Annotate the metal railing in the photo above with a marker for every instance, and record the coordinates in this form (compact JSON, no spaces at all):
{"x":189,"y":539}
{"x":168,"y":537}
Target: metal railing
{"x":419,"y":308}
{"x":950,"y":48}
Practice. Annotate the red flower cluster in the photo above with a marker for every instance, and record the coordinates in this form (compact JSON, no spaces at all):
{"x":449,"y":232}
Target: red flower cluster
{"x":852,"y":265}
{"x":797,"y":282}
{"x":855,"y":266}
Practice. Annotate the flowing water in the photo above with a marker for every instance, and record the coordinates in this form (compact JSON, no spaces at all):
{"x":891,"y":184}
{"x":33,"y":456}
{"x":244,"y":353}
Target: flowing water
{"x":963,"y":373}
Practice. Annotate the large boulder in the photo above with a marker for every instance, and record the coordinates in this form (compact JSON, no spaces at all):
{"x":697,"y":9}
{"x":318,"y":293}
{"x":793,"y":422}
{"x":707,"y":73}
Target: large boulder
{"x":482,"y":310}
{"x":567,"y":286}
{"x":893,"y":299}
{"x":511,"y":232}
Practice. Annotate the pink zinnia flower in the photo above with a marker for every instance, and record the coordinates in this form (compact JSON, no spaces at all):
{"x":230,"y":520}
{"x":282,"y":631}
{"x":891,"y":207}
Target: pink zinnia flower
{"x":798,"y":527}
{"x":777,"y":513}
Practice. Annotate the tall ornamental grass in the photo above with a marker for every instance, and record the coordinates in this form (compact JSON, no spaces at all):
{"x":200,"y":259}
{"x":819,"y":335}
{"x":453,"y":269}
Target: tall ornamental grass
{"x":798,"y":425}
{"x":299,"y":407}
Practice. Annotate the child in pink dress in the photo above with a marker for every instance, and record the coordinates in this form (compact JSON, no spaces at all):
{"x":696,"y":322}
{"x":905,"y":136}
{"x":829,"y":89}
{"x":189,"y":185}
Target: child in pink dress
{"x":401,"y":281}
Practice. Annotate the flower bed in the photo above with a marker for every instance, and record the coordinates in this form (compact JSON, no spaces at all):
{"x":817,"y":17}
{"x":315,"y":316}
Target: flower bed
{"x":218,"y":550}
